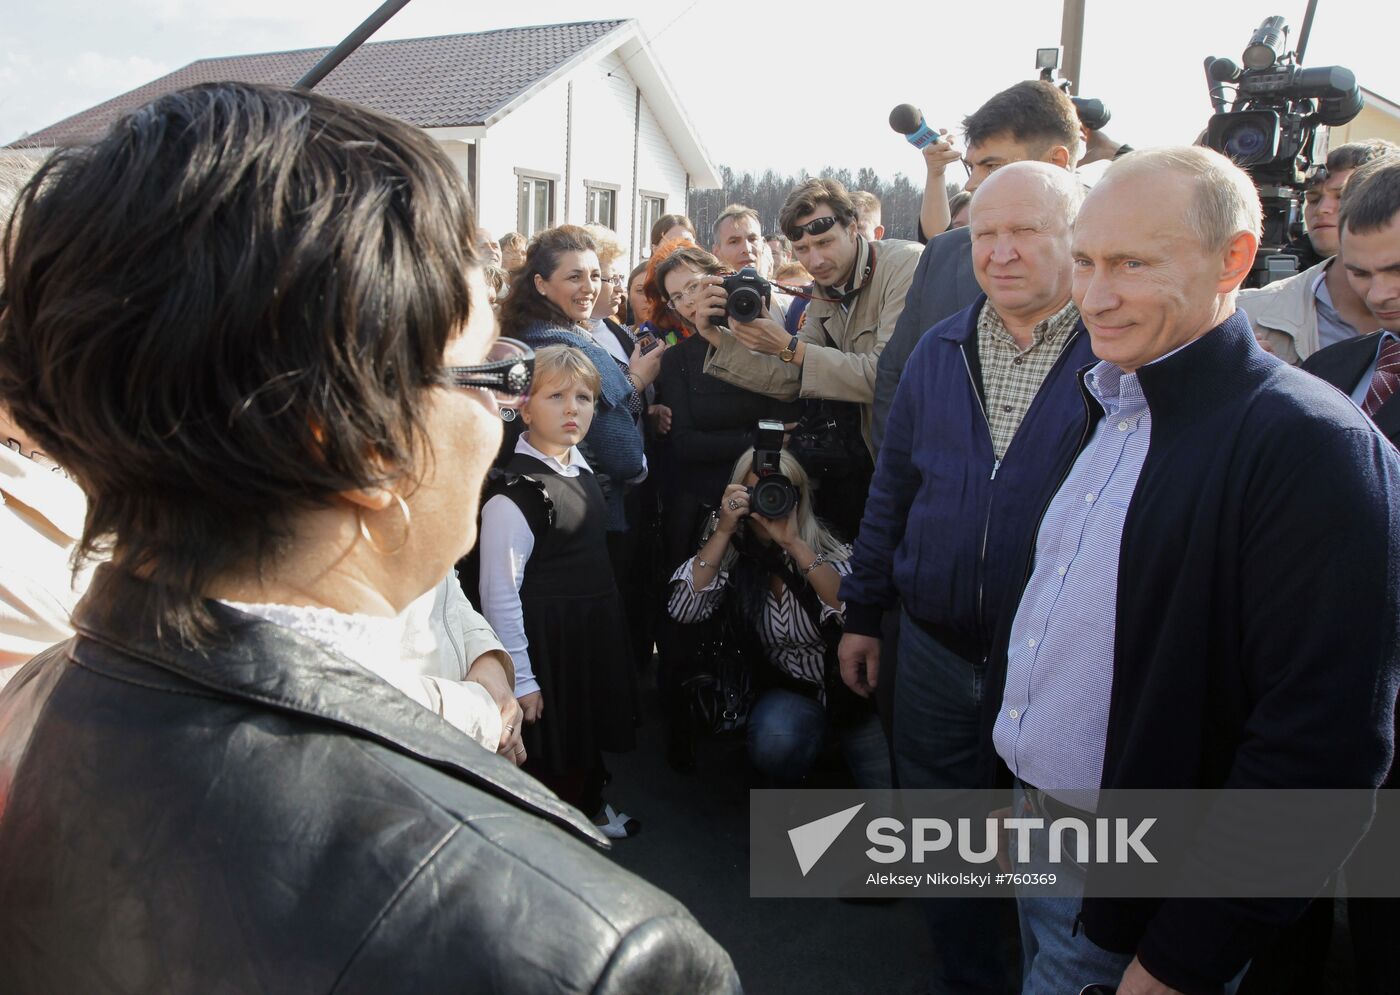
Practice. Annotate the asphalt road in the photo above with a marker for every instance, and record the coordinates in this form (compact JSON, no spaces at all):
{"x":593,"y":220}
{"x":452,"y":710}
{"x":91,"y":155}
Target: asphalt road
{"x":694,"y":844}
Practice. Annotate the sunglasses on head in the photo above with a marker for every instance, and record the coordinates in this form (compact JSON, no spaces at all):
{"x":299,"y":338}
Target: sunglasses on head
{"x":817,"y":226}
{"x":505,"y":375}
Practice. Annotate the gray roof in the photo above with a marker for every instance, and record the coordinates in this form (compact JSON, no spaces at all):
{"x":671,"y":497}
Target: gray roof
{"x":443,"y":82}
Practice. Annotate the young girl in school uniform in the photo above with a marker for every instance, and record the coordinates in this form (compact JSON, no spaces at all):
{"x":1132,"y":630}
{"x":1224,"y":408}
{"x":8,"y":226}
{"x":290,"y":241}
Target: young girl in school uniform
{"x":548,"y":590}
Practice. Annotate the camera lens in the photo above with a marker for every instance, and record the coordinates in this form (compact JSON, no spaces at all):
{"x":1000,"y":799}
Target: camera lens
{"x":773,"y":497}
{"x":1246,"y":142}
{"x":745,"y":304}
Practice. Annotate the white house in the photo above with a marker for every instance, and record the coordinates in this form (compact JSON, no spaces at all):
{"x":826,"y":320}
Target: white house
{"x":552,"y":124}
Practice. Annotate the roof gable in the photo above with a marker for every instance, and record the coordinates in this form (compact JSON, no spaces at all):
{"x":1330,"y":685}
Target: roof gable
{"x":446,"y":81}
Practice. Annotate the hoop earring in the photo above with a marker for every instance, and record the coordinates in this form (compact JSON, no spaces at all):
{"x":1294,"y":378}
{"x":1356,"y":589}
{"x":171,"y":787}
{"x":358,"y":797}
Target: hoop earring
{"x":369,"y":536}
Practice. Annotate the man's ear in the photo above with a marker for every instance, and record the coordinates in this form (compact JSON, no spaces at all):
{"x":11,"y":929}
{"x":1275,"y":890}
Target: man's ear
{"x":1058,"y":155}
{"x":1236,"y":261}
{"x":879,"y":232}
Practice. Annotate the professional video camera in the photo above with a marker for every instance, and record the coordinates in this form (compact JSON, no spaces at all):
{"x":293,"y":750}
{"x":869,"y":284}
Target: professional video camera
{"x":774,"y":496}
{"x":749,"y":294}
{"x":1270,"y":130}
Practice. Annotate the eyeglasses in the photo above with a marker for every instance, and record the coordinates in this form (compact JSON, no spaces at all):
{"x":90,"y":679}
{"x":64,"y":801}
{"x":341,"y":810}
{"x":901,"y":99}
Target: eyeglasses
{"x":817,"y":226}
{"x":684,"y":294}
{"x":506,"y":374}
{"x":615,"y":279}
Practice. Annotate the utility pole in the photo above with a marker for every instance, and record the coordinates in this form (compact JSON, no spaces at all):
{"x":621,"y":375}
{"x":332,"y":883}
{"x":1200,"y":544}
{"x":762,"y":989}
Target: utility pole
{"x":1072,"y":41}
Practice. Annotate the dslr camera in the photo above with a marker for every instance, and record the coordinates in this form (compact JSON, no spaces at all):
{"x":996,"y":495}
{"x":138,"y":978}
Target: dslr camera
{"x":749,"y":295}
{"x":1270,"y":129}
{"x":774,"y":496}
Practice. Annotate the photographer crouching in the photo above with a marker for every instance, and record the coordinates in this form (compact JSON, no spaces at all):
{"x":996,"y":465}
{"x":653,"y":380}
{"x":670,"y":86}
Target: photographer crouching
{"x":775,"y":571}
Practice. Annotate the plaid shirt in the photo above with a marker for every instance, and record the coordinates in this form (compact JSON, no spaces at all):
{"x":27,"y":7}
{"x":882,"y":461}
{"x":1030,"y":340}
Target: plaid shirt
{"x":1010,"y":376}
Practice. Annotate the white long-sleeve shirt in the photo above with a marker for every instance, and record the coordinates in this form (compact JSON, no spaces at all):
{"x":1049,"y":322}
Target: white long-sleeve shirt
{"x":41,"y":519}
{"x":506,"y":544}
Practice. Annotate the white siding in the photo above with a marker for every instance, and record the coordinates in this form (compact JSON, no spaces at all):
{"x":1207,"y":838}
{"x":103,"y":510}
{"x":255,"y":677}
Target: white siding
{"x":602,"y":147}
{"x":659,"y":170}
{"x":532,"y":138}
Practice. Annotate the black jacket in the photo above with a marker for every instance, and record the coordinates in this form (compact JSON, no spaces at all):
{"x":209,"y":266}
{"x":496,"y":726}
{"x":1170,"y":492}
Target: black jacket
{"x":712,"y":421}
{"x":1343,"y":364}
{"x":267,"y":816}
{"x":1258,"y":630}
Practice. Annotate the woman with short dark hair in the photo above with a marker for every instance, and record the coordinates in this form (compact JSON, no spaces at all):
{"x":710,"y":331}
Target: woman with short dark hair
{"x":251,"y":323}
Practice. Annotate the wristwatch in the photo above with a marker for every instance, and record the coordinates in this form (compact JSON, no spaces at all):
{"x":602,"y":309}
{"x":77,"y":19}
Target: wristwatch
{"x":787,"y":354}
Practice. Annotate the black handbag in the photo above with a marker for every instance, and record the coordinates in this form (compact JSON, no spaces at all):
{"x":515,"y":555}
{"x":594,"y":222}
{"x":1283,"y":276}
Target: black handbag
{"x":828,"y":440}
{"x":721,"y":693}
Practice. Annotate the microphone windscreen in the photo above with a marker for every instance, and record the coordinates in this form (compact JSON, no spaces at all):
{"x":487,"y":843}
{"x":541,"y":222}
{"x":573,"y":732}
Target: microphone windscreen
{"x":906,"y":119}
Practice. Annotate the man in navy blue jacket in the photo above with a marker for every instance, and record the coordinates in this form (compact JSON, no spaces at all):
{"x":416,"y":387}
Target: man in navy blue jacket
{"x":1216,"y":610}
{"x":987,"y":412}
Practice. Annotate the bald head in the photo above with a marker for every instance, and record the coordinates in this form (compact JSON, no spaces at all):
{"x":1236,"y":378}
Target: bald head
{"x":1031,"y":180}
{"x":1021,"y":219}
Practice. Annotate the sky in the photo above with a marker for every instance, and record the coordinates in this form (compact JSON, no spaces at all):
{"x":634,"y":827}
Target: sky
{"x":786,"y":86}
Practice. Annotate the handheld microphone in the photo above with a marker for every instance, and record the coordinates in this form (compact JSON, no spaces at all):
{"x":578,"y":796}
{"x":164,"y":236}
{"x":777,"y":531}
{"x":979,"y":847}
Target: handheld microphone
{"x":909,"y":121}
{"x":1093,"y":113}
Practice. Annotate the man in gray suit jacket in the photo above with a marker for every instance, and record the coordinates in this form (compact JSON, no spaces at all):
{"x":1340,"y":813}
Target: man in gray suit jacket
{"x":1031,"y":120}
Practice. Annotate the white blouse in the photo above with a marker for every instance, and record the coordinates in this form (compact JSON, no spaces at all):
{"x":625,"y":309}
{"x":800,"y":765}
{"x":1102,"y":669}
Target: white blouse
{"x":377,"y":644}
{"x":791,"y":640}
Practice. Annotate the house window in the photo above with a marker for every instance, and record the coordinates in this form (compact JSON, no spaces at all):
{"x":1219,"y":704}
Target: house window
{"x":653,"y":207}
{"x":536,"y":209}
{"x":602,"y":206}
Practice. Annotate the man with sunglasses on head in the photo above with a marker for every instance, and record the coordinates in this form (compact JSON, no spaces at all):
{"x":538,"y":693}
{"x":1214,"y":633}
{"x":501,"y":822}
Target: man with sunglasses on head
{"x":858,"y":295}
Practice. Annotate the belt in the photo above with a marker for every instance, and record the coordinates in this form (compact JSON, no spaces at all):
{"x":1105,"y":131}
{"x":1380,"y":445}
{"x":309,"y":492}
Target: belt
{"x":1050,"y":808}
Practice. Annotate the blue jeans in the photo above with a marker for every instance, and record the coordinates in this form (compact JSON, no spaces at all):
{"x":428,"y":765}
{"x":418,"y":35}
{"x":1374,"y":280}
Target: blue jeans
{"x":787,"y":730}
{"x":937,"y":726}
{"x":1053,"y":958}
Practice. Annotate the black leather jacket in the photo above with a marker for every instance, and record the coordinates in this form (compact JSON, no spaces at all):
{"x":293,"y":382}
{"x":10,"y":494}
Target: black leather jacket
{"x":266,"y":816}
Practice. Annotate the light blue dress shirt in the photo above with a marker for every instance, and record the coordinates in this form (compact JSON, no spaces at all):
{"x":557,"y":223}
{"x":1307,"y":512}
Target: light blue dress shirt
{"x":1331,"y":326}
{"x":1054,"y":715}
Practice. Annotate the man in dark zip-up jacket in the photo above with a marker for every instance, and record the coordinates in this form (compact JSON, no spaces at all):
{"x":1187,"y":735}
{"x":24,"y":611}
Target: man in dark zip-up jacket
{"x":1213,"y":601}
{"x":986,"y":413}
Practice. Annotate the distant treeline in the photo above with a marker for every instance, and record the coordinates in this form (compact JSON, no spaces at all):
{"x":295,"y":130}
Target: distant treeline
{"x":899,"y":198}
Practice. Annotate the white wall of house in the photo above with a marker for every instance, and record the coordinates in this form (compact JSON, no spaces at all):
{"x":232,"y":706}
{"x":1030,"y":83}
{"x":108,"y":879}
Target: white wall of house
{"x":532,"y":138}
{"x":659,"y":171}
{"x":597,"y":149}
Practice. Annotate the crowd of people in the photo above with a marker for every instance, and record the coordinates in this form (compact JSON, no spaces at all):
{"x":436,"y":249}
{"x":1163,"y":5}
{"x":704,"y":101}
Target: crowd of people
{"x":340,"y":535}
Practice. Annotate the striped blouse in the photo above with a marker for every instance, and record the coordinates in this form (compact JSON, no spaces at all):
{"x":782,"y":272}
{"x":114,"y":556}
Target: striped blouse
{"x":791,"y":640}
